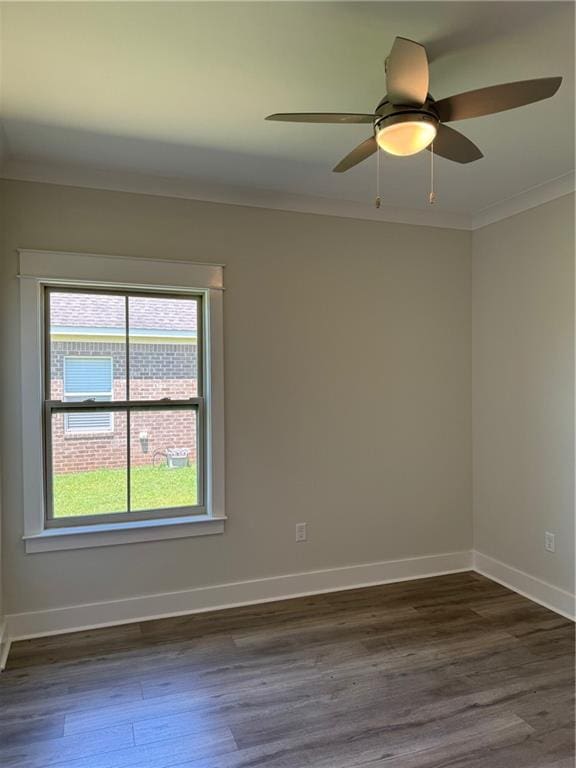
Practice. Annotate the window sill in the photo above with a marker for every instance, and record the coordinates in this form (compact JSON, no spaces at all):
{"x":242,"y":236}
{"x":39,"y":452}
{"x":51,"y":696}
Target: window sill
{"x":82,"y":537}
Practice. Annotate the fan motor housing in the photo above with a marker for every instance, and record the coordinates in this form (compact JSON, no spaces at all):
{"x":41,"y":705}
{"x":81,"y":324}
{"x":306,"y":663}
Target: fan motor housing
{"x":393,"y":113}
{"x":412,"y":116}
{"x":386,"y":109}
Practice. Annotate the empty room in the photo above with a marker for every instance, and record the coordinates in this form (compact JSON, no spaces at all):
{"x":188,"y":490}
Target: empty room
{"x":287,"y":384}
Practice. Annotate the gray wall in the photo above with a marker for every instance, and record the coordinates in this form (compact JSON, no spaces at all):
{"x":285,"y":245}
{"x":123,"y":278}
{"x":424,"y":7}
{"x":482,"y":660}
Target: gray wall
{"x":523,"y":390}
{"x":348,"y":390}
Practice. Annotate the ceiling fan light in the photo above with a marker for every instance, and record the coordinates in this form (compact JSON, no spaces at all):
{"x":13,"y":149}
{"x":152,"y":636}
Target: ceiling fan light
{"x":405,"y":135}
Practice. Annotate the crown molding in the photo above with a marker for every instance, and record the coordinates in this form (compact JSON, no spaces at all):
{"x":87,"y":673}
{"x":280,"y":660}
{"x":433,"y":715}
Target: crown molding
{"x":254,"y":197}
{"x":523,"y":201}
{"x":193,"y":189}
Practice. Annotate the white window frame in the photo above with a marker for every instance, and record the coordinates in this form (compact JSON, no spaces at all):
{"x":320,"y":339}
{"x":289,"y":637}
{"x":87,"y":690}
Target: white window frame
{"x":44,"y":268}
{"x":68,"y":430}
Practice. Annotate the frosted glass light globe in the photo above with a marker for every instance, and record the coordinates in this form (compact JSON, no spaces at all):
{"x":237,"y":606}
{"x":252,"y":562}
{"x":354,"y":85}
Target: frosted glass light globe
{"x":406,"y":137}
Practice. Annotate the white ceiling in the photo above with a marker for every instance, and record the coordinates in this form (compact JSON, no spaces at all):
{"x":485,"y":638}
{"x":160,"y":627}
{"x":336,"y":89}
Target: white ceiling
{"x":180,"y":90}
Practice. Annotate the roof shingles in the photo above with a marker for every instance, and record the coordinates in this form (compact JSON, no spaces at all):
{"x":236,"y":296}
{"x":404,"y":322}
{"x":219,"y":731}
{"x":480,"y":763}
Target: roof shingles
{"x":87,"y":310}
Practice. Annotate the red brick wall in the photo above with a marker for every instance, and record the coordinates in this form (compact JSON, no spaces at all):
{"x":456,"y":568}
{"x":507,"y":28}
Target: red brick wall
{"x":83,"y":452}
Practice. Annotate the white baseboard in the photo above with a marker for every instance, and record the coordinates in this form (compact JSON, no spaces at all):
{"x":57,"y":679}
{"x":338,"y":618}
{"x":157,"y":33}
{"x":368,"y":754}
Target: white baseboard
{"x":554,"y":598}
{"x":4,"y":644}
{"x":93,"y":615}
{"x":20,"y":626}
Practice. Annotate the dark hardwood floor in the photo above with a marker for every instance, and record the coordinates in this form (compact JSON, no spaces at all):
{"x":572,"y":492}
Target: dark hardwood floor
{"x":454,"y":671}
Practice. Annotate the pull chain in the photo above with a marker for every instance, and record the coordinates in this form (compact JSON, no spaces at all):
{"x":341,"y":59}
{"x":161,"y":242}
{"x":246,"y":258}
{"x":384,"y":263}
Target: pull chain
{"x":432,"y":195}
{"x":377,"y":201}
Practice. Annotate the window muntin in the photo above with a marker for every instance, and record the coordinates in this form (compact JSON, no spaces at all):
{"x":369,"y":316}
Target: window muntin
{"x":88,"y":378}
{"x":148,"y":468}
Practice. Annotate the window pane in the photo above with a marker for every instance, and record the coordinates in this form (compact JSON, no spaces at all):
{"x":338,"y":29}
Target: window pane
{"x":163,"y":454}
{"x":163,"y":348}
{"x":89,"y":471}
{"x":87,"y":346}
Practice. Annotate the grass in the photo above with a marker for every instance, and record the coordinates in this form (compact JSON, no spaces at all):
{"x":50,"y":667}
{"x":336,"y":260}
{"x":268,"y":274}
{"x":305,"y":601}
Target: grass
{"x":104,"y":490}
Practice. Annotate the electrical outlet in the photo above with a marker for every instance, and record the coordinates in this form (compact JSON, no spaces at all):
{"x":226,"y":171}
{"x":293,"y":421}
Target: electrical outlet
{"x":549,"y":541}
{"x":301,"y":534}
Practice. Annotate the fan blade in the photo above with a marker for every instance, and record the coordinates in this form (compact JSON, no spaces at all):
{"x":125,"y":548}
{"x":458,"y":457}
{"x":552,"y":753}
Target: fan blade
{"x":359,"y":153}
{"x":407,"y":73}
{"x":321,"y":117}
{"x":497,"y":98}
{"x":453,"y":145}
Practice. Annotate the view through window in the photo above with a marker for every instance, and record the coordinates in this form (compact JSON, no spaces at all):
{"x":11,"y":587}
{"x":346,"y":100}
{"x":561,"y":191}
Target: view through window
{"x":123,"y":405}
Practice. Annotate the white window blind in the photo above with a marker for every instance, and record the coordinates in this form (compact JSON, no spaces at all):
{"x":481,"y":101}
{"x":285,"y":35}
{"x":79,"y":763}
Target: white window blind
{"x":85,"y":378}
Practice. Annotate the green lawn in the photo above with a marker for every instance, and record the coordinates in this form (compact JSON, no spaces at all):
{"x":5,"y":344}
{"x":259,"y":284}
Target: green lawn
{"x":102,"y":491}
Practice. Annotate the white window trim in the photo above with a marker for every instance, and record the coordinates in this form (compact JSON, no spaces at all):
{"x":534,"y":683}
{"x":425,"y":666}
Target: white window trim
{"x":109,"y":430}
{"x":40,"y":268}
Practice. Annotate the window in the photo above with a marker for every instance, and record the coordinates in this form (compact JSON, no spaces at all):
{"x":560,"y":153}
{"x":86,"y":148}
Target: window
{"x":153,"y":465}
{"x":131,"y":442}
{"x":88,"y":378}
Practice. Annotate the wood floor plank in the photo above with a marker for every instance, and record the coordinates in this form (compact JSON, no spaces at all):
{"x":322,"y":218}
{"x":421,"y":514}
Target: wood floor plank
{"x":449,"y":671}
{"x":226,"y":702}
{"x":536,"y":751}
{"x":39,"y":754}
{"x":47,"y":650}
{"x":159,"y":754}
{"x":17,"y":704}
{"x":14,"y":732}
{"x":334,"y":750}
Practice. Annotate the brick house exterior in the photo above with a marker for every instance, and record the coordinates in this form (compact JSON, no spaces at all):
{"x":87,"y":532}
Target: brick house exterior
{"x":163,"y":363}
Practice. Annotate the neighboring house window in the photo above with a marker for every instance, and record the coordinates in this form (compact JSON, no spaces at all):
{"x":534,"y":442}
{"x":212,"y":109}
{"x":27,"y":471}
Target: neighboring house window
{"x":87,"y":378}
{"x":127,"y":443}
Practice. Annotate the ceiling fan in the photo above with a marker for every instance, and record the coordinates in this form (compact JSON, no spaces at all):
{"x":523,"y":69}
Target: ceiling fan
{"x":408,"y":120}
